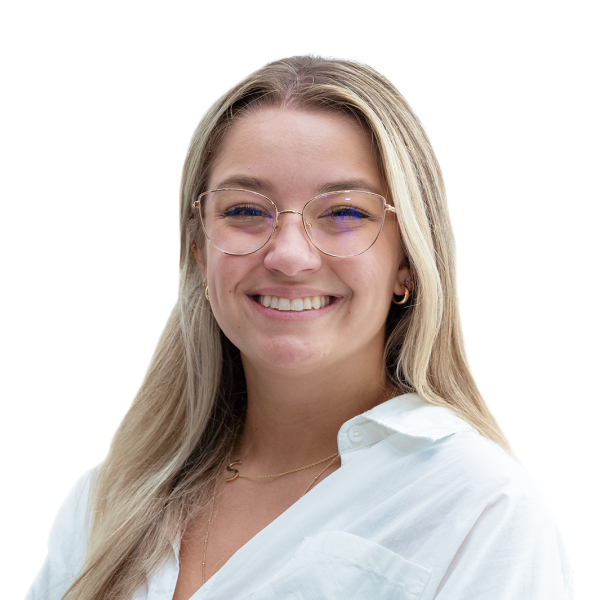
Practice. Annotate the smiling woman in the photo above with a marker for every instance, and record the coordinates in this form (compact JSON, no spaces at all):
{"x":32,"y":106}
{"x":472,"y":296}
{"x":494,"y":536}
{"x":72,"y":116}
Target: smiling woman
{"x":309,"y":427}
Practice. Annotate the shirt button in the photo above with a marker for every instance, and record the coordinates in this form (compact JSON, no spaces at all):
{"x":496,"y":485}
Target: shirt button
{"x":356,"y":434}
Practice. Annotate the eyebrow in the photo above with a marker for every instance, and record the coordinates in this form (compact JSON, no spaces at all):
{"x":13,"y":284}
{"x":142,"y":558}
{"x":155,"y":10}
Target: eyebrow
{"x":257,"y":184}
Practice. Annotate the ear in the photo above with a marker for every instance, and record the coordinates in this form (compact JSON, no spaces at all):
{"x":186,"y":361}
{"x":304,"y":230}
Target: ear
{"x":199,"y":256}
{"x":402,"y":276}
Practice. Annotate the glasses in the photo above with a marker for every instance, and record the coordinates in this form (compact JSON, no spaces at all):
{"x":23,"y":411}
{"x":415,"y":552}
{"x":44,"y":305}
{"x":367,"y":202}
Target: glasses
{"x":342,"y":224}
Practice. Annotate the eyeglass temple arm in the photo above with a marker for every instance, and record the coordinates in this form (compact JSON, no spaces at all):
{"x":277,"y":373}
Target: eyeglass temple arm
{"x":390,"y":208}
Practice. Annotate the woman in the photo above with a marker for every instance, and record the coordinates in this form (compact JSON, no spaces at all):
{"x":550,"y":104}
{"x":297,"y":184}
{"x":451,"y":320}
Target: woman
{"x":309,"y":427}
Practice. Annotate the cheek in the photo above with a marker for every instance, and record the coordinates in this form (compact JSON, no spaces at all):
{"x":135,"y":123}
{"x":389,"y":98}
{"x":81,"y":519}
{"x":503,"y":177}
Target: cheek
{"x":222,"y":269}
{"x":225,"y":274}
{"x":375,"y":274}
{"x":221,"y":275}
{"x":372,"y":286}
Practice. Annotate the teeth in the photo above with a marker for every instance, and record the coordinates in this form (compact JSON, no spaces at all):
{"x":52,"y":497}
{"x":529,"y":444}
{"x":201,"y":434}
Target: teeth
{"x":284,"y":304}
{"x":296,"y":304}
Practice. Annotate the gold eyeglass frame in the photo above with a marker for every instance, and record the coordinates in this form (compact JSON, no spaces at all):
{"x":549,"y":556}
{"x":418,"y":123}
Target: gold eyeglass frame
{"x":386,"y":208}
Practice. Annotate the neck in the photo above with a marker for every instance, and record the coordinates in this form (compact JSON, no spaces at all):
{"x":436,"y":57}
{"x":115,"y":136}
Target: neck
{"x":293,"y":418}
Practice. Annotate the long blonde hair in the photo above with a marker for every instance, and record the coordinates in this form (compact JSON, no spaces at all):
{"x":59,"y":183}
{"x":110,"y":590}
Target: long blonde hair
{"x":167,"y":452}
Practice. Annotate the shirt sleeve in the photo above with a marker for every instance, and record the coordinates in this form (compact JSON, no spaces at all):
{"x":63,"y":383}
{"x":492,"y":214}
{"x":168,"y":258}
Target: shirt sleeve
{"x":513,"y":551}
{"x":66,"y":545}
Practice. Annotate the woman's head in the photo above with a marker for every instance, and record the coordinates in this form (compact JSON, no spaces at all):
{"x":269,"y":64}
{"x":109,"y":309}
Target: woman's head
{"x":407,"y":169}
{"x":306,"y":161}
{"x":347,"y":90}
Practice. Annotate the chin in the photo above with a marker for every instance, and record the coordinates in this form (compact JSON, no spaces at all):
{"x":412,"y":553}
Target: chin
{"x":287,"y":353}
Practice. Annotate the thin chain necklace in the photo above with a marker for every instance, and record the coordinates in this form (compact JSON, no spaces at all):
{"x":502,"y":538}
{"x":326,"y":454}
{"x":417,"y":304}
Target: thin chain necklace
{"x":331,"y":460}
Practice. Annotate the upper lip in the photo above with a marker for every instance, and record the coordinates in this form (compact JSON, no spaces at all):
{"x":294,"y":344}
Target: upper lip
{"x":281,"y":292}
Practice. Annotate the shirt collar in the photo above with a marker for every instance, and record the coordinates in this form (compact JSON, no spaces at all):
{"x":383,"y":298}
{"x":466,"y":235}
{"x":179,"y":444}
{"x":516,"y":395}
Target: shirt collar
{"x":407,"y":415}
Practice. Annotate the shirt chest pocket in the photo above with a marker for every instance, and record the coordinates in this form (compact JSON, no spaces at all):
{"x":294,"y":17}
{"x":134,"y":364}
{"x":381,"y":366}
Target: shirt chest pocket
{"x":336,"y":564}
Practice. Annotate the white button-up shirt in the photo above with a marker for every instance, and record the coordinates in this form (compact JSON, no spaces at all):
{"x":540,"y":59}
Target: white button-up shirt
{"x":422,"y":507}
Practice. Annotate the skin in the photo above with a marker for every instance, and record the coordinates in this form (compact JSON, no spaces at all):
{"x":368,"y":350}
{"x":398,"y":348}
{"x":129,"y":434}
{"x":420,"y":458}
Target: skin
{"x":304,"y":379}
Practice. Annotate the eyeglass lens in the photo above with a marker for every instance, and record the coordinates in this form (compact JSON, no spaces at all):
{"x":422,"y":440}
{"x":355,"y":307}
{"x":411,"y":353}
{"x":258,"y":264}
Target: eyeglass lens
{"x":340,"y":223}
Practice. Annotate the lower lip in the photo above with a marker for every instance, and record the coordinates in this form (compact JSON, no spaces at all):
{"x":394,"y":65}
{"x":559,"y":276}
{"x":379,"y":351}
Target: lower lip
{"x":293,"y":315}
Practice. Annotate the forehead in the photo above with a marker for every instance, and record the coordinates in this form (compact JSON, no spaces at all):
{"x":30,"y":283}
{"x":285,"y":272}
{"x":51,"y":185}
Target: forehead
{"x":296,"y":149}
{"x":295,"y":117}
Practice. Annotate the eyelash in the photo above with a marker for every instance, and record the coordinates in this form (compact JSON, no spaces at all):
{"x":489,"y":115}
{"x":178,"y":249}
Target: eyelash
{"x":237,"y":210}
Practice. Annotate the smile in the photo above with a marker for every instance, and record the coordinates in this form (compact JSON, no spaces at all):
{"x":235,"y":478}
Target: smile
{"x":296,"y":304}
{"x":289,"y":309}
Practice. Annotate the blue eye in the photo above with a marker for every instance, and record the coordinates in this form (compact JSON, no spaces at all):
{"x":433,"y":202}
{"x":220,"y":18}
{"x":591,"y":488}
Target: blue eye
{"x":340,"y":213}
{"x":246,"y":211}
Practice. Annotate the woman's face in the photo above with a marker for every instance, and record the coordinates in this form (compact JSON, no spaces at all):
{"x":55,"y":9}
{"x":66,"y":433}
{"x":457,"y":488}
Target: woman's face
{"x":291,"y":156}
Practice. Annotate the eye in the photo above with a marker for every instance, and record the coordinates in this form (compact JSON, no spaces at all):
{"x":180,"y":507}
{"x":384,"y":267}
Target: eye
{"x":347,"y":213}
{"x":242,"y":212}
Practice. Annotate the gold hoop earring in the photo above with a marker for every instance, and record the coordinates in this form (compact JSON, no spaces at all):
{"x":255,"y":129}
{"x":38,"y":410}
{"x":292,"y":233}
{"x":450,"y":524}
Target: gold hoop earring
{"x":406,"y":294}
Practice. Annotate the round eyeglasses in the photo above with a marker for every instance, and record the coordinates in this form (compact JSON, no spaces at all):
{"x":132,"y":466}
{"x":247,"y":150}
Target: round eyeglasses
{"x":342,"y":224}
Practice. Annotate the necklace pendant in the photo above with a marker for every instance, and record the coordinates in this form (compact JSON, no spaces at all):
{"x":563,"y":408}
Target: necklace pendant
{"x":235,"y":471}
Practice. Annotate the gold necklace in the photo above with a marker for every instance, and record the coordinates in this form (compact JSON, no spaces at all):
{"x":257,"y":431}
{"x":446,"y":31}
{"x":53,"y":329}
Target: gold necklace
{"x":331,"y":460}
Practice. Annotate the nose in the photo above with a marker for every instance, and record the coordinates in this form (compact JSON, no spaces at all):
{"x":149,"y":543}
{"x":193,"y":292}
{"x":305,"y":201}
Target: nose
{"x":289,"y":250}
